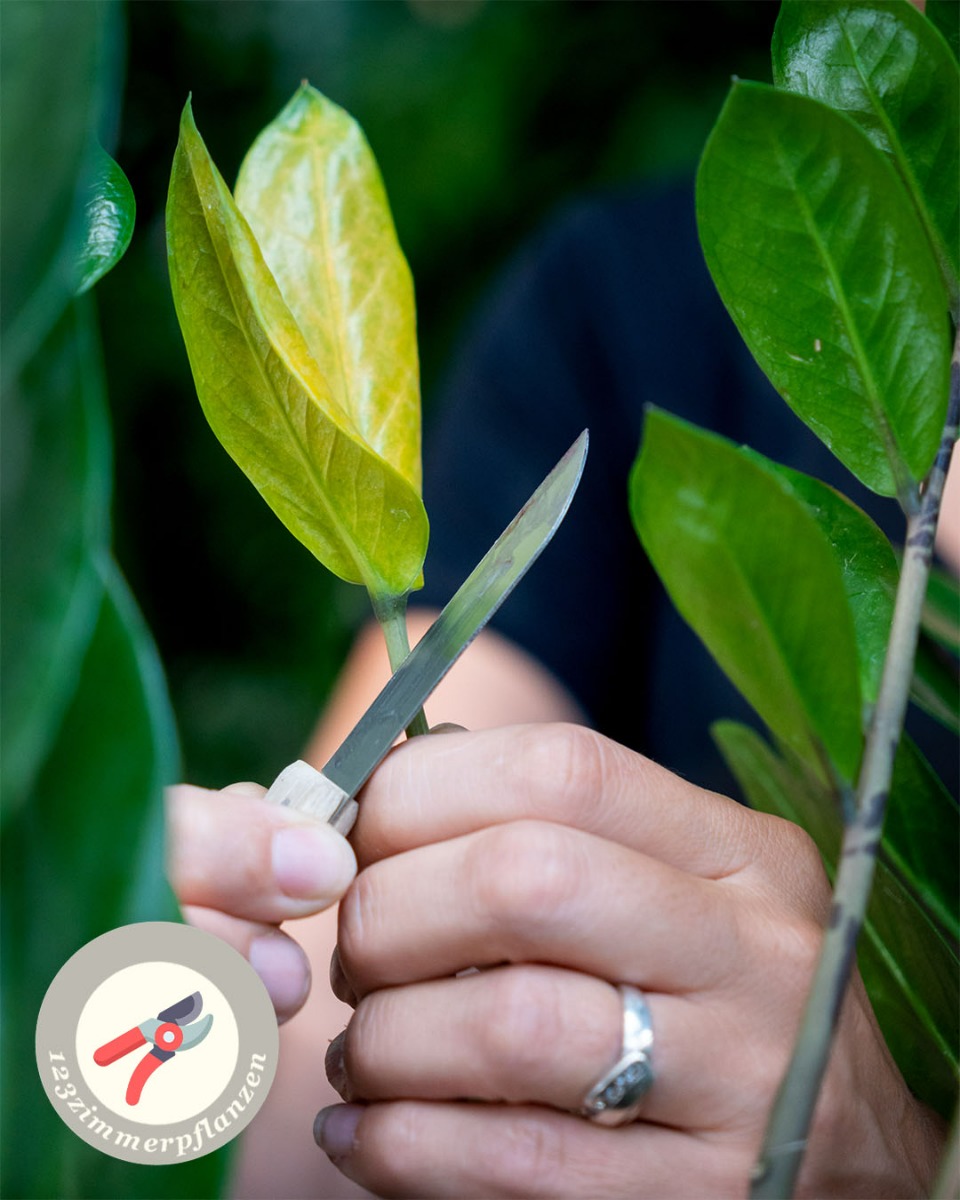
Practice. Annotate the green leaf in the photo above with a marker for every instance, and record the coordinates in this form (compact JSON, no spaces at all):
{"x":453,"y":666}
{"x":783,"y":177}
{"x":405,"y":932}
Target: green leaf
{"x":50,"y":121}
{"x":941,"y":609}
{"x":85,"y":856}
{"x":884,"y":65}
{"x":817,"y":252}
{"x":312,"y":193}
{"x":267,"y":400}
{"x":910,"y":970}
{"x":944,"y":15}
{"x":57,"y":485}
{"x":936,"y":671}
{"x":921,"y":836}
{"x":109,"y":215}
{"x":748,"y":567}
{"x":936,"y":686}
{"x":868,"y":567}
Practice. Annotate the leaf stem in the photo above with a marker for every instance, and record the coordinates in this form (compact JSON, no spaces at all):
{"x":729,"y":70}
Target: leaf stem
{"x":391,"y":612}
{"x":781,"y":1156}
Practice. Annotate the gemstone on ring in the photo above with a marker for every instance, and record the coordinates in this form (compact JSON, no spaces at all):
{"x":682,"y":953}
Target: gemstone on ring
{"x":616,"y":1097}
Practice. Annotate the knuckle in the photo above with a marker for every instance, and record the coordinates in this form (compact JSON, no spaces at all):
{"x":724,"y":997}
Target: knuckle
{"x":531,"y":1157}
{"x":517,"y":1031}
{"x":561,"y":766}
{"x":793,"y":853}
{"x":523,"y":875}
{"x":393,"y":1146}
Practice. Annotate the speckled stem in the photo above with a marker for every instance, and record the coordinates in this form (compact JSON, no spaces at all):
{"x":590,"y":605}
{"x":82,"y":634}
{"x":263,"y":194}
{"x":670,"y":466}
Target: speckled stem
{"x":780,"y":1159}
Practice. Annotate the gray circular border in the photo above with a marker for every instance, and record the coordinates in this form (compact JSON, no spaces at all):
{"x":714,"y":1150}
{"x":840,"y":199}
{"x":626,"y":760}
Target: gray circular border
{"x":154,"y":941}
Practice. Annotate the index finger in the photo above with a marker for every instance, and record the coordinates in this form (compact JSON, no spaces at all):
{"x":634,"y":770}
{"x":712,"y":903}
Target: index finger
{"x":430,"y":789}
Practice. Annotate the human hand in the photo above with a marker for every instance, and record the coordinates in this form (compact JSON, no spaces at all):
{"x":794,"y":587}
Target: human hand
{"x":564,"y":863}
{"x":240,"y":867}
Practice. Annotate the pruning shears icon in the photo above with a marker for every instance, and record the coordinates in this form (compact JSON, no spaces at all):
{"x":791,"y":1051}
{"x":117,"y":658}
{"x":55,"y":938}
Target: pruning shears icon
{"x":169,"y":1032}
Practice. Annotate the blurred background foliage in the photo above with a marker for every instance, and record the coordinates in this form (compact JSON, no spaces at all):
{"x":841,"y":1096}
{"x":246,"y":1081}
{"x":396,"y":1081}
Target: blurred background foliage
{"x":148,"y":593}
{"x":483,"y":115}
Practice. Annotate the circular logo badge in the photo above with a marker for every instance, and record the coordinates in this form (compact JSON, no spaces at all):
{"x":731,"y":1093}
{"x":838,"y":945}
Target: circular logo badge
{"x":157,"y":1043}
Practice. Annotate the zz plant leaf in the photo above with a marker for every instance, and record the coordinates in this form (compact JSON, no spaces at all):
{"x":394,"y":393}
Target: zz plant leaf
{"x":887,"y":67}
{"x":840,"y":299}
{"x":908,"y":955}
{"x":296,"y":428}
{"x":311,"y":191}
{"x":766,"y":597}
{"x":868,"y":566}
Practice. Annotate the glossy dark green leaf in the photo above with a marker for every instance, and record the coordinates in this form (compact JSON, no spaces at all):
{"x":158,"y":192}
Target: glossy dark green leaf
{"x":312,"y":193}
{"x":910,"y":969}
{"x":85,"y":856}
{"x":267,"y":400}
{"x":868,"y":567}
{"x":109,"y":213}
{"x":56,"y":493}
{"x":884,"y":65}
{"x":819,"y":255}
{"x":747,"y":566}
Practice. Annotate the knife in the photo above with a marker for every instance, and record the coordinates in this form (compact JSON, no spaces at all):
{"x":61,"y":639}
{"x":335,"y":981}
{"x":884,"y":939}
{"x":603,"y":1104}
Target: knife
{"x":330,"y":794}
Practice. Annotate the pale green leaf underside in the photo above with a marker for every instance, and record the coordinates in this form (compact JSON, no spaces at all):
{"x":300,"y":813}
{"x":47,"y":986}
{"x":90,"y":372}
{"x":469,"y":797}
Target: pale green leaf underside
{"x":888,"y":68}
{"x":267,"y":400}
{"x":749,"y":569}
{"x":312,"y":193}
{"x":818,"y":254}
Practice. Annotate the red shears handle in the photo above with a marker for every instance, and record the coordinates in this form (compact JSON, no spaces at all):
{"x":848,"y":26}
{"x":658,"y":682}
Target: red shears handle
{"x":141,"y":1073}
{"x":120,"y":1046}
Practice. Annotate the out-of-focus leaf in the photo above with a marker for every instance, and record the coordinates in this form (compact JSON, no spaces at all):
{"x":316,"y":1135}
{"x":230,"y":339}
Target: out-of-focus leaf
{"x":868,"y":567}
{"x":944,"y":15}
{"x":936,"y":671}
{"x":936,"y":684}
{"x":49,"y":123}
{"x":888,"y":68}
{"x":941,"y":609}
{"x":910,"y":969}
{"x":312,"y":193}
{"x":56,"y":482}
{"x":78,"y":860}
{"x":748,"y":567}
{"x":266,"y":399}
{"x":110,"y":211}
{"x":819,"y":255}
{"x":921,"y":836}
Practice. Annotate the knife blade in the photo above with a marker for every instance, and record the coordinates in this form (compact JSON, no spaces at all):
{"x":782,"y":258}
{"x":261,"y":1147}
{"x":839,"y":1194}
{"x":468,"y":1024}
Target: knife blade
{"x":330,"y":794}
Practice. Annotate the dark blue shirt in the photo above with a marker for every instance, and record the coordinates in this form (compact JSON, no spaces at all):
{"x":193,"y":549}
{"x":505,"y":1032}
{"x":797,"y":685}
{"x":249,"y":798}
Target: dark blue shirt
{"x":607,"y":310}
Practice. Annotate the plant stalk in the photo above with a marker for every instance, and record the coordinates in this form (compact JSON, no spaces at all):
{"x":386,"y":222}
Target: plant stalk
{"x":781,"y":1156}
{"x":391,"y":612}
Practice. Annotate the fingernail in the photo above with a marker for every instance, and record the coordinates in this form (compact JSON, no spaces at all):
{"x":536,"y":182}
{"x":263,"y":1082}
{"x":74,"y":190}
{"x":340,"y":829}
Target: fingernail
{"x":333,"y":1064}
{"x":284,"y":969}
{"x":338,"y":980}
{"x":254,"y":790}
{"x":335,"y":1129}
{"x":312,"y":862}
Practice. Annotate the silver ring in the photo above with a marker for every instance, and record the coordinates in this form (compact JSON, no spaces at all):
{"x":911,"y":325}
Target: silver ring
{"x":616,"y":1097}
